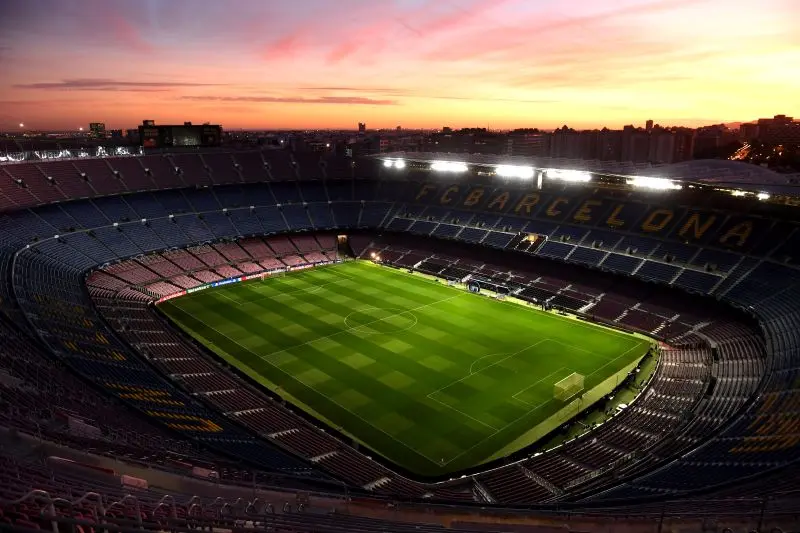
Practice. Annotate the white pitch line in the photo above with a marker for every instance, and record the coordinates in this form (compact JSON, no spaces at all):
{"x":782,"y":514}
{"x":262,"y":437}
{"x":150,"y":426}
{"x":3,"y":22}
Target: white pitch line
{"x":534,"y":384}
{"x":370,"y":424}
{"x":482,"y":358}
{"x":222,"y":293}
{"x":529,"y":412}
{"x":578,"y":348}
{"x":490,"y":366}
{"x":267,"y":356}
{"x":496,"y":432}
{"x":463,"y":413}
{"x":313,"y":289}
{"x":623,"y":354}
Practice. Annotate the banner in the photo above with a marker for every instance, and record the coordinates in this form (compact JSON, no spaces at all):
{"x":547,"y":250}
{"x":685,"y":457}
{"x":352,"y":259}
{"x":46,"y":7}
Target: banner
{"x":136,"y":482}
{"x":204,"y":473}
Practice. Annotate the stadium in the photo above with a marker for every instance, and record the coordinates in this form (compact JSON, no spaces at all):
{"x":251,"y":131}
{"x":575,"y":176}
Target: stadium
{"x":239,"y":339}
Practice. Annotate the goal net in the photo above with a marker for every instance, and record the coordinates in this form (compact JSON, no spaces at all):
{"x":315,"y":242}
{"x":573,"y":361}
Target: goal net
{"x":569,"y":387}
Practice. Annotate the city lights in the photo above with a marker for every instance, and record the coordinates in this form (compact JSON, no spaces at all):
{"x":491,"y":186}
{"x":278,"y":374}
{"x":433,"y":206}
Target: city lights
{"x":762,"y":196}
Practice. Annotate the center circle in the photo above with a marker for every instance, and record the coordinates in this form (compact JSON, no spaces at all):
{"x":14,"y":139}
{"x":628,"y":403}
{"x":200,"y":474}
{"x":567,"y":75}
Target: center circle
{"x":373,"y":320}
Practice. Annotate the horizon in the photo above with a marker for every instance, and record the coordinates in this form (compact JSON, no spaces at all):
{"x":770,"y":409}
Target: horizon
{"x":419,"y":64}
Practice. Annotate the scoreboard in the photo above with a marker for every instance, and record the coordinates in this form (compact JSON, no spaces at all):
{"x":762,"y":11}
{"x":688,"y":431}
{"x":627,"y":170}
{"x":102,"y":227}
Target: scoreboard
{"x":165,"y":136}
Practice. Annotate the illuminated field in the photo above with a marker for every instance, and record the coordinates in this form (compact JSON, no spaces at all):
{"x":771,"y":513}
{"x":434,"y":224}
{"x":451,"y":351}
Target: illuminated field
{"x":431,"y":377}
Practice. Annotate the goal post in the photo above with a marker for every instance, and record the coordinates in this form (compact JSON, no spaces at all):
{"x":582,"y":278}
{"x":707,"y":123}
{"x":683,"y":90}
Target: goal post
{"x":569,"y":387}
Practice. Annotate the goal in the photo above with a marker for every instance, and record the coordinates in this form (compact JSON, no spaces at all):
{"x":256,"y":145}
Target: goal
{"x":569,"y":387}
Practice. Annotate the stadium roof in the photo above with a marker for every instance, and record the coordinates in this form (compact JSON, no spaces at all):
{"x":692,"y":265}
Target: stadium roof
{"x":732,"y":174}
{"x":713,"y":172}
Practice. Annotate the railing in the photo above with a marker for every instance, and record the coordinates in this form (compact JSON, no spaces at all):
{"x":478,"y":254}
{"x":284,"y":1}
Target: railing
{"x":312,"y":511}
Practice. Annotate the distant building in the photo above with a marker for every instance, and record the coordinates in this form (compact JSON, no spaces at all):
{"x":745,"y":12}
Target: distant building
{"x":649,"y":125}
{"x":97,"y":130}
{"x":748,"y":132}
{"x":362,"y":127}
{"x":153,"y":136}
{"x":779,"y":130}
{"x":529,"y":144}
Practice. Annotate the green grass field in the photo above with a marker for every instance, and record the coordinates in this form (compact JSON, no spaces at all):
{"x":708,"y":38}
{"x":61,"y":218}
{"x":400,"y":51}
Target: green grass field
{"x":429,"y":376}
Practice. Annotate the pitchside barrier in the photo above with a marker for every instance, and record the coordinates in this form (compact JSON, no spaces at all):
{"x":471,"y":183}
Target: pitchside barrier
{"x":569,"y":387}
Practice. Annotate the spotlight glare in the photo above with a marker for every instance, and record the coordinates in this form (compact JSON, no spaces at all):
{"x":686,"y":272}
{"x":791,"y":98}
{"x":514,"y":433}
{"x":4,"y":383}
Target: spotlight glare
{"x":568,"y":175}
{"x":762,"y":196}
{"x":394,"y":163}
{"x":514,"y":171}
{"x":658,"y":184}
{"x":449,"y":166}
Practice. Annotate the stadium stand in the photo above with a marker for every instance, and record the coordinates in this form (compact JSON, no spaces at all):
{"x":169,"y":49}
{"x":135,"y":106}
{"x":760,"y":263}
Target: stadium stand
{"x":85,"y":351}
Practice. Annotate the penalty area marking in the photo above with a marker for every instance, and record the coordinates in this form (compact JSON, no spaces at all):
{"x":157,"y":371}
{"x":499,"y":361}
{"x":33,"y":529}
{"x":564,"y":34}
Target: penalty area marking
{"x":471,"y":373}
{"x":537,"y":343}
{"x":534,"y":384}
{"x":536,"y":408}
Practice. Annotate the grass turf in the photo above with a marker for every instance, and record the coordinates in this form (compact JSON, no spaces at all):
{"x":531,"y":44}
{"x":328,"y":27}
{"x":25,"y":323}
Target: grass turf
{"x":431,"y":377}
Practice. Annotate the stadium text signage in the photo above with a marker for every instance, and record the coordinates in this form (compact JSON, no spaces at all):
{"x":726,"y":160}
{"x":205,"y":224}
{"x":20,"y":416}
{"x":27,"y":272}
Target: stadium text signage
{"x":680,"y":223}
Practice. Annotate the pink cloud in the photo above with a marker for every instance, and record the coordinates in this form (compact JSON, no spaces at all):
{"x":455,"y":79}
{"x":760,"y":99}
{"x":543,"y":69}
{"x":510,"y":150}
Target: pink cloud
{"x":127,"y":34}
{"x":288,"y":45}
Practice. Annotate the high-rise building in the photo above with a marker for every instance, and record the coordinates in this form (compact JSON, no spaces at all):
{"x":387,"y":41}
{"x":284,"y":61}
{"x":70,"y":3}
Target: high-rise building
{"x":362,"y":128}
{"x":97,"y":129}
{"x":635,"y":145}
{"x":529,"y":144}
{"x":748,"y":132}
{"x":649,"y":125}
{"x":779,"y":130}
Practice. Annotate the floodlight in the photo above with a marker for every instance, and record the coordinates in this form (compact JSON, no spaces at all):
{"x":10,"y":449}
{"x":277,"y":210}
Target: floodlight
{"x":372,"y":255}
{"x":659,"y":184}
{"x":514,"y":171}
{"x":762,"y":196}
{"x":394,"y":163}
{"x":449,"y":166}
{"x":738,"y":193}
{"x":568,"y":175}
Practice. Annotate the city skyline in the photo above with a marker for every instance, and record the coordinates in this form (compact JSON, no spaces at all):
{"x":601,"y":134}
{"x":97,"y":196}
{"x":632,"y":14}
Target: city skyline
{"x":415,"y":63}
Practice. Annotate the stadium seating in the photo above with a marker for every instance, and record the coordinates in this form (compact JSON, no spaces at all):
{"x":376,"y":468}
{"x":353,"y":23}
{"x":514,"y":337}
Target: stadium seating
{"x":84,"y":349}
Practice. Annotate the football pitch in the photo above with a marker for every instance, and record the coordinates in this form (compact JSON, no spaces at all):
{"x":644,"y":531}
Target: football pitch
{"x":431,"y":377}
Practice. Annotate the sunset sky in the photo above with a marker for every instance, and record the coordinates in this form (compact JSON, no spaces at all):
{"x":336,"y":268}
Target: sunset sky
{"x":414,"y":63}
